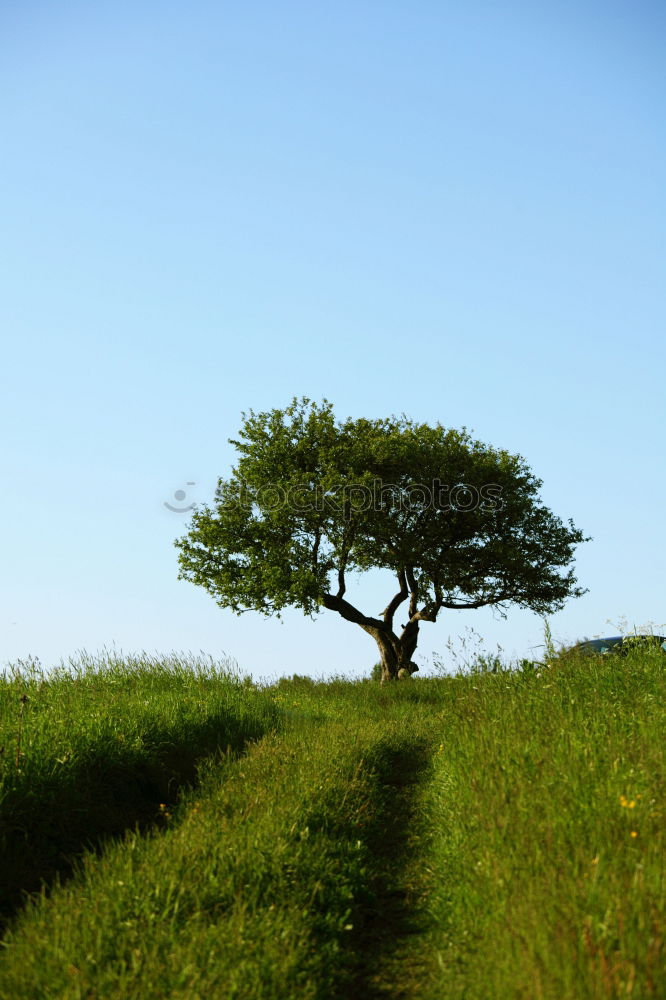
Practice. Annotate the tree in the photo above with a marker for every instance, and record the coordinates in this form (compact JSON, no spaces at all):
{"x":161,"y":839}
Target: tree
{"x":458,"y":524}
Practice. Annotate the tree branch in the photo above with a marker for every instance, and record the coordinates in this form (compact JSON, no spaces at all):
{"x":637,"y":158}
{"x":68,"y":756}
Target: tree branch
{"x":395,"y":603}
{"x":342,"y":586}
{"x":352,"y":614}
{"x":481,"y":603}
{"x":413,"y":590}
{"x":425,"y":615}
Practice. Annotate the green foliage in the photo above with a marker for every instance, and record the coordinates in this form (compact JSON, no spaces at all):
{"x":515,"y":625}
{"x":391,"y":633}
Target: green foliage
{"x":312,"y":499}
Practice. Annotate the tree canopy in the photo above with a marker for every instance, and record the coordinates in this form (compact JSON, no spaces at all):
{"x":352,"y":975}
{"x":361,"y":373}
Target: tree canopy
{"x":311,"y":500}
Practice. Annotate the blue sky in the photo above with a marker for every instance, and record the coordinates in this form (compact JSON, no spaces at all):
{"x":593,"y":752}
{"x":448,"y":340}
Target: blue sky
{"x":453,"y":211}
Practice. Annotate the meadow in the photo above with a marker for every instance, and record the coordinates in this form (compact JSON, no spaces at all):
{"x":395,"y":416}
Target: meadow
{"x":169,"y":829}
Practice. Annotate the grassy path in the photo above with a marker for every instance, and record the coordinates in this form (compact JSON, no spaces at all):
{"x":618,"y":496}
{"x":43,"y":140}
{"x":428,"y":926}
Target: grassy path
{"x":379,"y":966}
{"x":499,"y":836}
{"x":278,"y":877}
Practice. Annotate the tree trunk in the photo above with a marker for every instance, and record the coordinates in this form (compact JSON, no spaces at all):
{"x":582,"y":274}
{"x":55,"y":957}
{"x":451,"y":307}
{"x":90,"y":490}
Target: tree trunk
{"x":396,"y":654}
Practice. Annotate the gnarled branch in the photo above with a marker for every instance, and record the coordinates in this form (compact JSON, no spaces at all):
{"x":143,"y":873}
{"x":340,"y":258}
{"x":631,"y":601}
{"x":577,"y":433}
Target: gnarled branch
{"x":394,"y":604}
{"x":352,"y":614}
{"x":413,"y":591}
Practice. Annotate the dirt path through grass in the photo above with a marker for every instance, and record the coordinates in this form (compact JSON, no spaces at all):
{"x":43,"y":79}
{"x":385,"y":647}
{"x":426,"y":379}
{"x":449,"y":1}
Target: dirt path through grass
{"x":386,"y":915}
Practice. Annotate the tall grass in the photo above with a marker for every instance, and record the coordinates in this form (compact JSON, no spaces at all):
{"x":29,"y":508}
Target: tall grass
{"x":270,"y":881}
{"x":488,"y":836}
{"x":94,"y":748}
{"x":547,"y":834}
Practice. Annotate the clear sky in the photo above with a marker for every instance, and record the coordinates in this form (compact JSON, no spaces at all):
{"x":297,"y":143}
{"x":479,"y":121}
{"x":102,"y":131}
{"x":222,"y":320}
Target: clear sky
{"x":450,"y":210}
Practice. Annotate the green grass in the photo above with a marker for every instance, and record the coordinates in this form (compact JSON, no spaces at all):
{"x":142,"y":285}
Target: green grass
{"x":258,"y":887}
{"x":548,"y":839}
{"x":499,"y":835}
{"x":94,"y":750}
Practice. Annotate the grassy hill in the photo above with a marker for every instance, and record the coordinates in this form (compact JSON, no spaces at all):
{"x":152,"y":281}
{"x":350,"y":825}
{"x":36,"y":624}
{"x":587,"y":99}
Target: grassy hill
{"x":487,"y":836}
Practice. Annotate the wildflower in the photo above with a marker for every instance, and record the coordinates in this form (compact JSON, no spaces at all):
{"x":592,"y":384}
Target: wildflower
{"x":634,"y":833}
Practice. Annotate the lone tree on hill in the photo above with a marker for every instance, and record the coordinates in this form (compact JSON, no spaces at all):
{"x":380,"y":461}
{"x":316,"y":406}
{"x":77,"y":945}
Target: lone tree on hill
{"x":458,"y":524}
